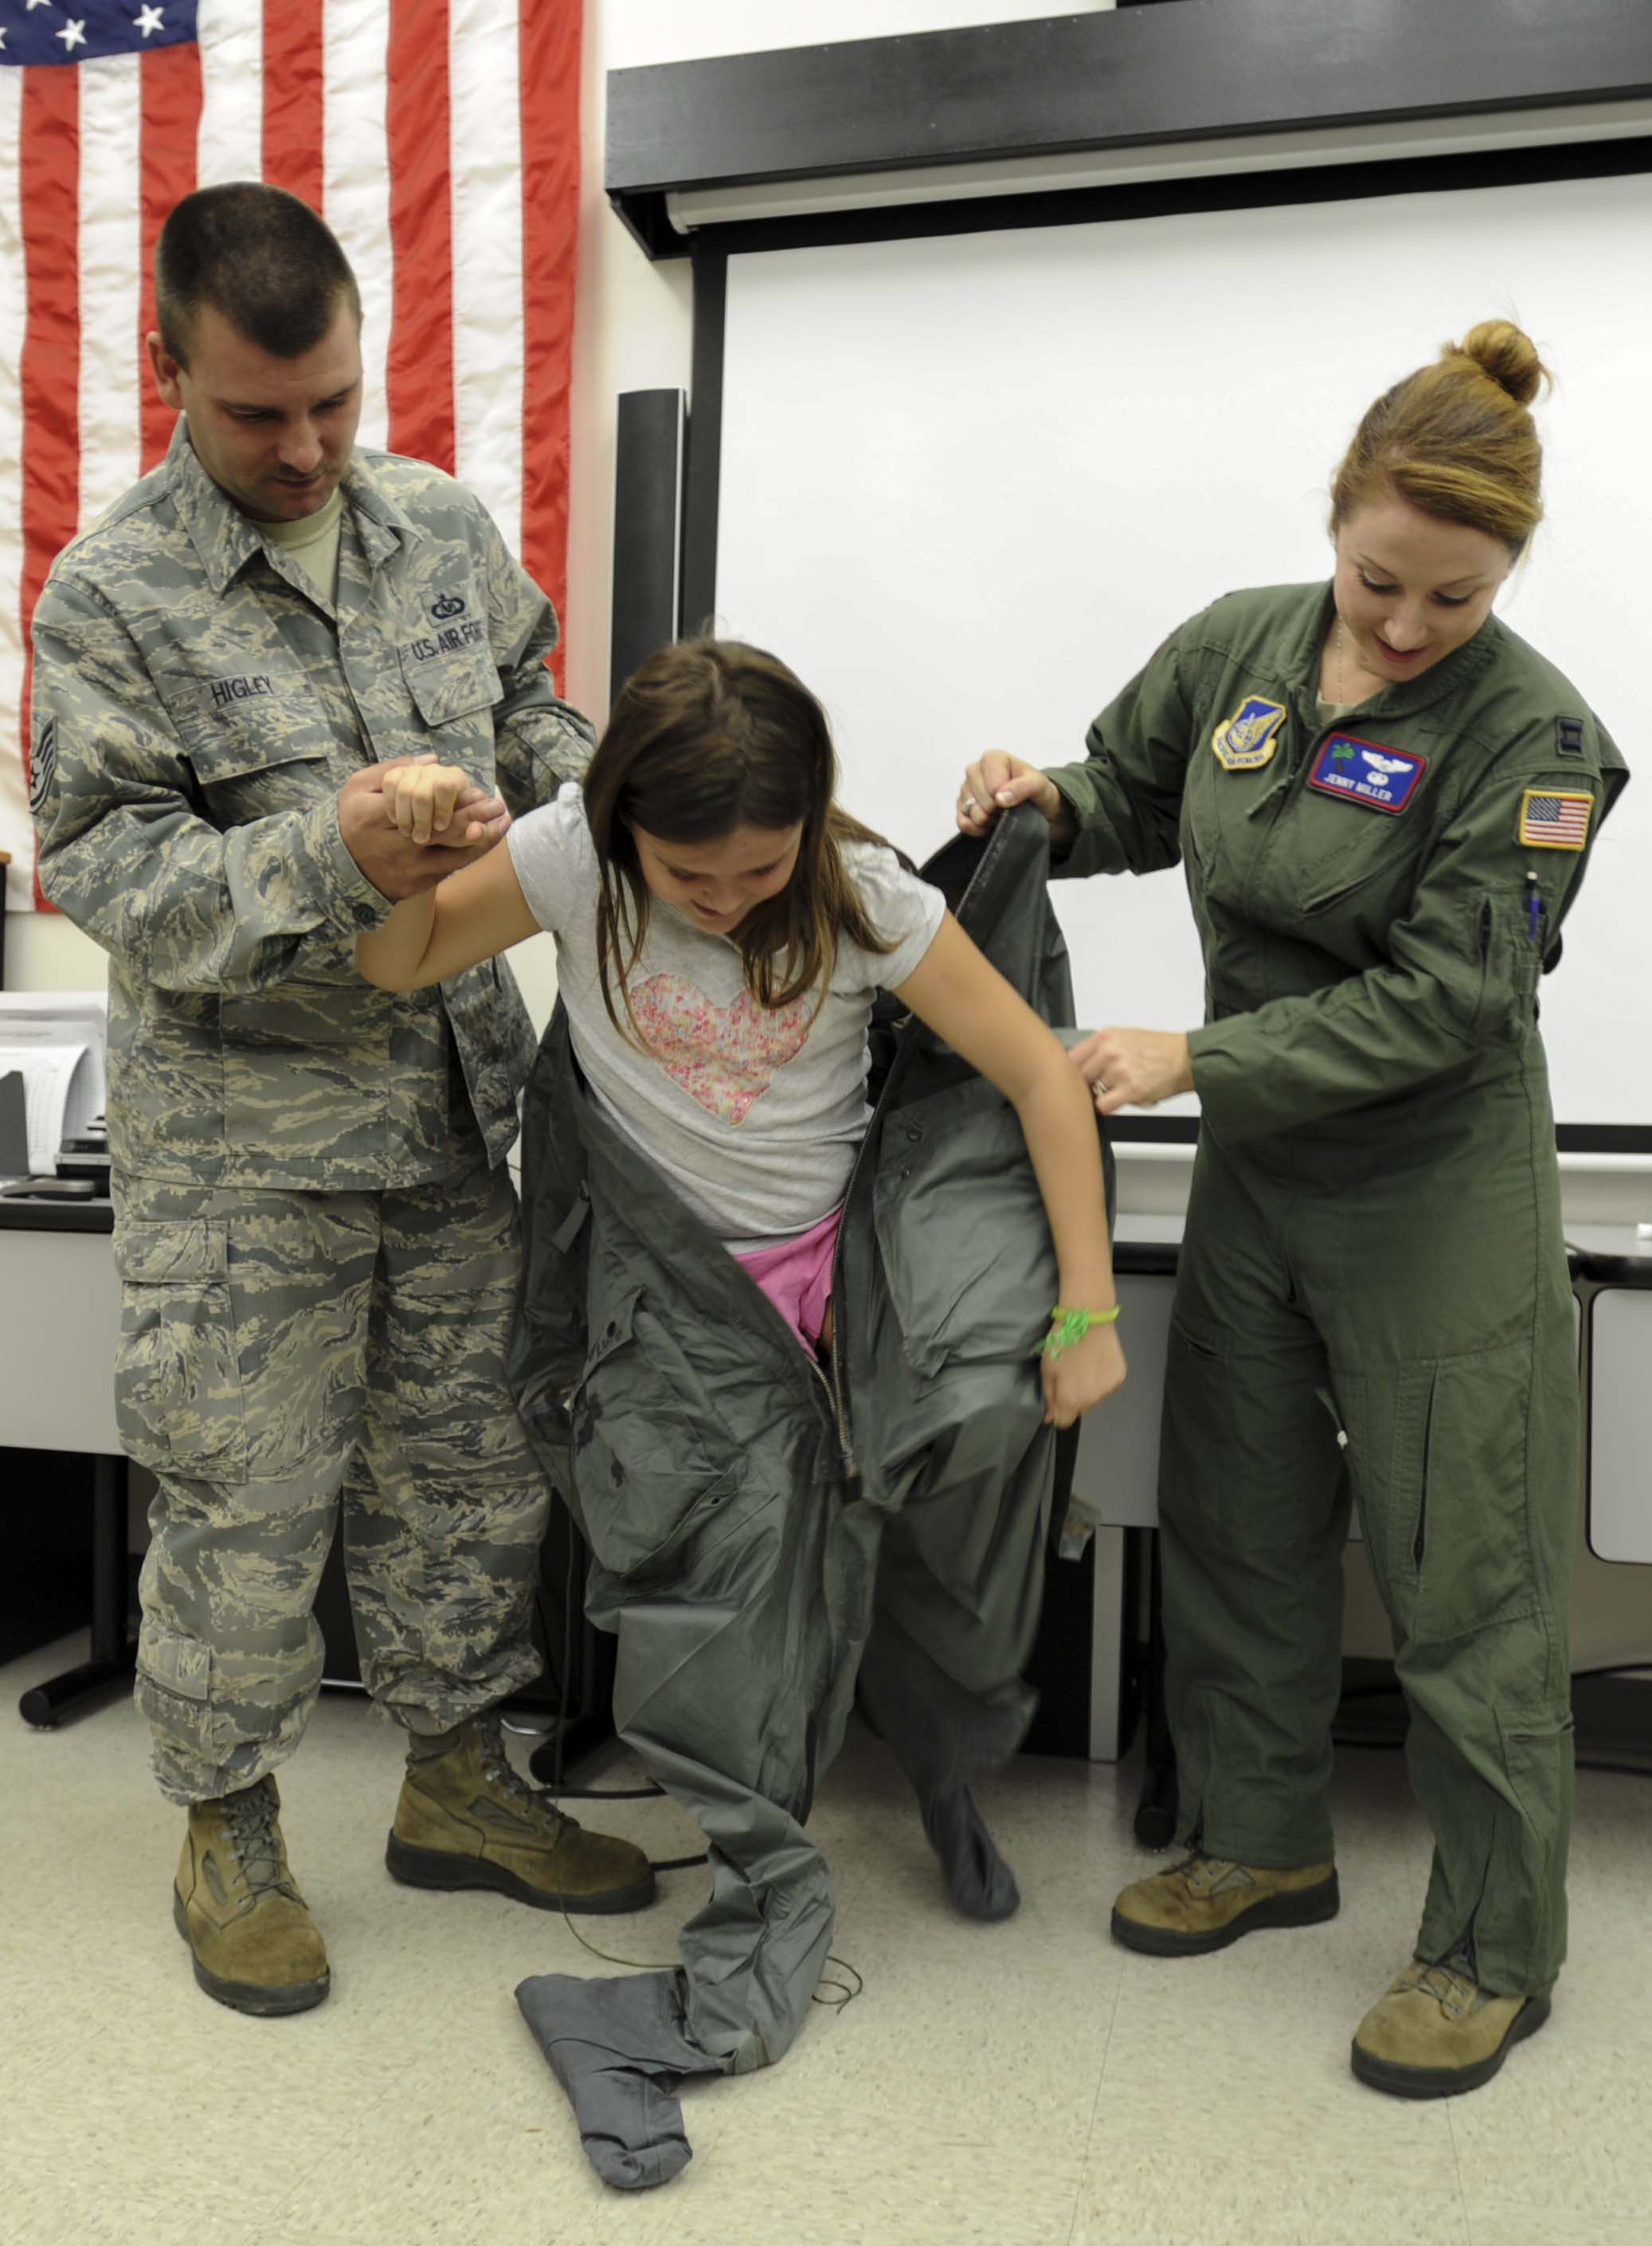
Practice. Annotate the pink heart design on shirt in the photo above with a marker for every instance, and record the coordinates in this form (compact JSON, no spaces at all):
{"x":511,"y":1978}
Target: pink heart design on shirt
{"x":724,"y":1057}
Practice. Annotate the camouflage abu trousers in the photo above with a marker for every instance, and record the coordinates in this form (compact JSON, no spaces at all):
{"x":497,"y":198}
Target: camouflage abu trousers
{"x":278,"y":1351}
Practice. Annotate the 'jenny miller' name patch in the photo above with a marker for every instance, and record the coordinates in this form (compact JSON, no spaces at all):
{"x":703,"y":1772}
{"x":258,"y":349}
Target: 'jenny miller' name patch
{"x":1367,"y":772}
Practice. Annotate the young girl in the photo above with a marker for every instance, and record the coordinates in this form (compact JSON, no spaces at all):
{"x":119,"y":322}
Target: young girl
{"x":722,"y":929}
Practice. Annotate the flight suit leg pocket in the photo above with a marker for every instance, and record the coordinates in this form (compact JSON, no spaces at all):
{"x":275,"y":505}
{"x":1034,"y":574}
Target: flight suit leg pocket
{"x":1402,"y":1535}
{"x":649,"y":1466}
{"x":963,"y":1237}
{"x":1458,"y":1539}
{"x":178,"y":1393}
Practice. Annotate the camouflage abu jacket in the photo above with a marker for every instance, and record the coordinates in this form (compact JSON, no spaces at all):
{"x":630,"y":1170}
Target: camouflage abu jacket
{"x":196,"y":712}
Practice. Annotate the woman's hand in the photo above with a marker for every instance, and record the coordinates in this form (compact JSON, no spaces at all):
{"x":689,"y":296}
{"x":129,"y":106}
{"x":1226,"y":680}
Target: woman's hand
{"x":1000,"y":781}
{"x":1083,"y":1374}
{"x":432,"y":802}
{"x":1134,"y":1068}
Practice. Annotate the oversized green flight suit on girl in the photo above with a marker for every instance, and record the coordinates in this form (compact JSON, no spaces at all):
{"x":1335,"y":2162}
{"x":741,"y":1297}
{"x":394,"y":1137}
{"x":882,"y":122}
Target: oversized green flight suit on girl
{"x":1373,"y":1241}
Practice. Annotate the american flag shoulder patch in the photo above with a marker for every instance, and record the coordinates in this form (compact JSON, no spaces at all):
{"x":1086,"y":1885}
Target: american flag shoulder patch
{"x":1555,"y":819}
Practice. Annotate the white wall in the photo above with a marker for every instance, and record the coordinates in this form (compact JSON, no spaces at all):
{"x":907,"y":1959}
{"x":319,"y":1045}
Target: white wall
{"x":635,"y":325}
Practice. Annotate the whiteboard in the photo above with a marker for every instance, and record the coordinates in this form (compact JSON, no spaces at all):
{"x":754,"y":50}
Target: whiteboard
{"x":1620,"y":1515}
{"x":969,"y":482}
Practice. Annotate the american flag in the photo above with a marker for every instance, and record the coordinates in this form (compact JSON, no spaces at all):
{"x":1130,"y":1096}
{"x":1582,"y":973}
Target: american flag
{"x":439,"y":139}
{"x":1551,"y":820}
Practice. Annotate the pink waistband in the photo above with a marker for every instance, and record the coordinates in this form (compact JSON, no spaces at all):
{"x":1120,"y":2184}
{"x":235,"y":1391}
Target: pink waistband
{"x":796,"y":1275}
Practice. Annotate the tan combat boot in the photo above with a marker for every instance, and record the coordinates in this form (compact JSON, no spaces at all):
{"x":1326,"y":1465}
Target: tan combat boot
{"x":1437,"y":2032}
{"x":236,"y":1903}
{"x":467,"y":1820}
{"x":1207,"y":1902}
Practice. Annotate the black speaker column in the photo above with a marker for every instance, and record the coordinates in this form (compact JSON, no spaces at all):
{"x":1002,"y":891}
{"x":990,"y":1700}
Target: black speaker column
{"x":648,"y":527}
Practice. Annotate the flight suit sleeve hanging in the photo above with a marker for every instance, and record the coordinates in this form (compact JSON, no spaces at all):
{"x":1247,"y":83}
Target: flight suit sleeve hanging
{"x":1462,"y":965}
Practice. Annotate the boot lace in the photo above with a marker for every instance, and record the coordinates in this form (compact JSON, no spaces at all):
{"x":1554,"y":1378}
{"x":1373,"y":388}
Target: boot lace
{"x":249,"y":1818}
{"x":503,"y":1774}
{"x":1206,"y":1874}
{"x":1449,"y":1981}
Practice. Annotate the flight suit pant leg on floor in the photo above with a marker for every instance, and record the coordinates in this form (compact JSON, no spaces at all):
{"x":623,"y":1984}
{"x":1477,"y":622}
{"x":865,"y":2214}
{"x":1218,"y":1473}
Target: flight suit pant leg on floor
{"x":959,"y":1580}
{"x":739,"y":1603}
{"x":708,"y":1482}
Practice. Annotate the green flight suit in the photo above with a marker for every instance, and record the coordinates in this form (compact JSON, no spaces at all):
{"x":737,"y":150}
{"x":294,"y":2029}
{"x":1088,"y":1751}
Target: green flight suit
{"x":1373,"y":1246}
{"x":754,"y":1529}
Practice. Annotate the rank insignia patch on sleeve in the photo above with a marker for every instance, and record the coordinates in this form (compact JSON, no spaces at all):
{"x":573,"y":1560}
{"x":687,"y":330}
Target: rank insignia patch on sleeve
{"x":1555,"y":819}
{"x":1247,"y":739}
{"x":41,"y":763}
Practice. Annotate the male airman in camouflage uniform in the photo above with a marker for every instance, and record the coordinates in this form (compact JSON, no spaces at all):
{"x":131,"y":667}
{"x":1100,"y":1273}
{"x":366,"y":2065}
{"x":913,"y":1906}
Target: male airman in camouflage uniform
{"x":316,"y":1234}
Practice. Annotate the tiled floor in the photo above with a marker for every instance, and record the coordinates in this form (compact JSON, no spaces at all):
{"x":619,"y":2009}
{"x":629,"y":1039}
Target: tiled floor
{"x":1030,"y":2085}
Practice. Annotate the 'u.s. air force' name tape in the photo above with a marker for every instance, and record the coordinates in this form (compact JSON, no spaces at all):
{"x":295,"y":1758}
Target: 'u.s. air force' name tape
{"x":1367,"y":772}
{"x":1248,"y":738}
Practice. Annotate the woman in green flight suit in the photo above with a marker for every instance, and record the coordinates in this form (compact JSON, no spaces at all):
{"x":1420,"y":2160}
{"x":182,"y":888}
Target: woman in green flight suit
{"x":1385,"y":801}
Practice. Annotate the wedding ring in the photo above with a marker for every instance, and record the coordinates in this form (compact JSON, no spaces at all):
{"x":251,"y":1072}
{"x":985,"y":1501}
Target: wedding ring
{"x":968,"y":803}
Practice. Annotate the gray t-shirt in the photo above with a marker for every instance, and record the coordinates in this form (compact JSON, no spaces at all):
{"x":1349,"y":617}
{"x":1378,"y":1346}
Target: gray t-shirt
{"x":754,"y":1116}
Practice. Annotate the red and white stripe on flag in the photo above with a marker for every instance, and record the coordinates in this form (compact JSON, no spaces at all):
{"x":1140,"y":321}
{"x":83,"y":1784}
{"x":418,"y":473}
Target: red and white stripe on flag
{"x":1555,"y":819}
{"x":439,"y":139}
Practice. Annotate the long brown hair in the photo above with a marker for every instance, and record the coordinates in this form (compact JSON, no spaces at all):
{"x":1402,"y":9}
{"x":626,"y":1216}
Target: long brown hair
{"x":1455,"y":439}
{"x":706,"y":736}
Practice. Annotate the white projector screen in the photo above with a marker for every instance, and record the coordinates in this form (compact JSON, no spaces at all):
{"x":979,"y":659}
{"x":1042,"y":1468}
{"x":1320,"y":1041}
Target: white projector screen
{"x":969,"y":482}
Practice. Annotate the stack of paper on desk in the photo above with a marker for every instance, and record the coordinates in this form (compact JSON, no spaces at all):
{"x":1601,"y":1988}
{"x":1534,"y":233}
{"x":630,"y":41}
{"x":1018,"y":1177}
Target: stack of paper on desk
{"x":55,"y":1041}
{"x":59,"y":1093}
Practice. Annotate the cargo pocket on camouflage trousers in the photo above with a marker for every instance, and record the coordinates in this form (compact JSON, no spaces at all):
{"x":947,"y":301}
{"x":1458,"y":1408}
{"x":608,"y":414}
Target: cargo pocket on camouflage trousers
{"x":173,"y":1693}
{"x":178,"y":1395}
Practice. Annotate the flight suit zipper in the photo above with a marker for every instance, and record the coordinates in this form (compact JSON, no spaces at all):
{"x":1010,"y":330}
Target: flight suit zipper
{"x":833,"y":1395}
{"x":1419,"y":1540}
{"x":832,"y":1383}
{"x":1276,"y":802}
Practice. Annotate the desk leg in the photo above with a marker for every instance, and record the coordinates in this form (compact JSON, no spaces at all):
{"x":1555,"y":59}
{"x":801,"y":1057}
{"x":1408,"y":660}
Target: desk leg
{"x":1156,"y":1810}
{"x":113,"y":1652}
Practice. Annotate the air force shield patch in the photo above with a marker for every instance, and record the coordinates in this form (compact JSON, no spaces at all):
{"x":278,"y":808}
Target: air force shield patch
{"x":1247,"y":739}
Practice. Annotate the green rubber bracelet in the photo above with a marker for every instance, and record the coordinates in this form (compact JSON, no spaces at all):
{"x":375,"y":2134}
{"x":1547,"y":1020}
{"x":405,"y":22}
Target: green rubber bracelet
{"x":1071,"y":1326}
